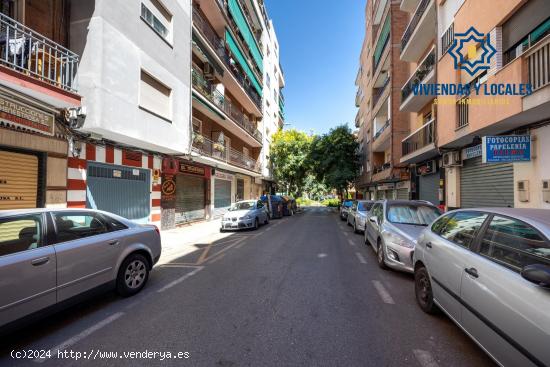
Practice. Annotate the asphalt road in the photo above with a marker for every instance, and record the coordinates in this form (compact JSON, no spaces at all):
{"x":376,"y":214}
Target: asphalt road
{"x":301,"y":291}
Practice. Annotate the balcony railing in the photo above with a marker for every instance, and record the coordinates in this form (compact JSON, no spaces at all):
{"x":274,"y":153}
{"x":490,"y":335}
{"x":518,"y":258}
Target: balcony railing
{"x":218,"y":45}
{"x":381,"y":168}
{"x":207,"y":90}
{"x":28,"y":52}
{"x":421,"y":72}
{"x":447,"y":39}
{"x":381,"y":130}
{"x":209,"y":148}
{"x":420,"y":138}
{"x":538,"y":61}
{"x":380,"y":91}
{"x":422,"y":6}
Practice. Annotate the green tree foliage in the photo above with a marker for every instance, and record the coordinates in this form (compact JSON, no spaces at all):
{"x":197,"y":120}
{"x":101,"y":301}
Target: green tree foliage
{"x":288,"y":154}
{"x":333,"y":158}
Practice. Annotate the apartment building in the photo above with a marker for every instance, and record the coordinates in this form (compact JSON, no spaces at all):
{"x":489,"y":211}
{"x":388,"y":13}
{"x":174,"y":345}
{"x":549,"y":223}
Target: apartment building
{"x":382,"y":125}
{"x":38,"y":84}
{"x":519,"y":32}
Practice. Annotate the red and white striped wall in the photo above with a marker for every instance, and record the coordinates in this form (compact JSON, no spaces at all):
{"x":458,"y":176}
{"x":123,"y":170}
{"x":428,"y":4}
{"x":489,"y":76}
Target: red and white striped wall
{"x":76,"y":175}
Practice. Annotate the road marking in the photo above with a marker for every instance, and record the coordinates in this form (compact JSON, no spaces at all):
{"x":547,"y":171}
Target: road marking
{"x":268,"y":229}
{"x":425,"y":358}
{"x":204,"y":253}
{"x":386,"y":298}
{"x":351,"y":243}
{"x":181,"y":279}
{"x":75,"y":339}
{"x":216,"y":259}
{"x":321,"y":255}
{"x":361,"y":258}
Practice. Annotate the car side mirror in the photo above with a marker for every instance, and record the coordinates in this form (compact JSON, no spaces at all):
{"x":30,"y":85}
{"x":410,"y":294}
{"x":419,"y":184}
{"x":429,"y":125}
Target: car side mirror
{"x":374,"y":219}
{"x":538,"y":274}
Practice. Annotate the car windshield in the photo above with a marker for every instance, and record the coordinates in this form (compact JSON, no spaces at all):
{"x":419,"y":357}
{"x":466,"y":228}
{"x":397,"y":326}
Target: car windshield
{"x":348,"y":203}
{"x":364,"y":206}
{"x":245,"y":205}
{"x":419,"y":215}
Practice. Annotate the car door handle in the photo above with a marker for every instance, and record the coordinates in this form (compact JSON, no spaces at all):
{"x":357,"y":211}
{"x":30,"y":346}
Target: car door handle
{"x":114,"y":242}
{"x":429,"y":245}
{"x":472,"y":272}
{"x":40,"y":261}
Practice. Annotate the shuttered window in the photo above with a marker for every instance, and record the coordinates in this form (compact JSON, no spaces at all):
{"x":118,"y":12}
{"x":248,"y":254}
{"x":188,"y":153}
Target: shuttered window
{"x":155,"y":97}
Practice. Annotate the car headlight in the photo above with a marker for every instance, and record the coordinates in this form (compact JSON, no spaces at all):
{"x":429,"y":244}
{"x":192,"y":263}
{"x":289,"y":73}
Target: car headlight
{"x":398,"y":240}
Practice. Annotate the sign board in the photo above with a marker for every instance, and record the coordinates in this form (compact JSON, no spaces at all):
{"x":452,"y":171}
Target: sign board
{"x":506,"y":148}
{"x":168,"y":192}
{"x":223,"y":176}
{"x":194,"y":170}
{"x":258,"y":180}
{"x":24,"y":116}
{"x":472,"y":152}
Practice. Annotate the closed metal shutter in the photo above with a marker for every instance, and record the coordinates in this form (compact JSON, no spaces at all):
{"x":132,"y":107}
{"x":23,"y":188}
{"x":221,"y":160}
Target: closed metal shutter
{"x":189,"y":198}
{"x":428,"y":188}
{"x":486,"y":185}
{"x":222,"y":196}
{"x":18,"y":180}
{"x":240,"y":189}
{"x":121,"y":190}
{"x":402,"y":194}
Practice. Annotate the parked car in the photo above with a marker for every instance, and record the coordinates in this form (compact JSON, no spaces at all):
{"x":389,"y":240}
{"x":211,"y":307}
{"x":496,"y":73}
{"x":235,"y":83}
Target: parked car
{"x":489,"y":270}
{"x":357,"y":216}
{"x":245,"y":214}
{"x":344,"y":209}
{"x":49,"y":257}
{"x":393,"y":229}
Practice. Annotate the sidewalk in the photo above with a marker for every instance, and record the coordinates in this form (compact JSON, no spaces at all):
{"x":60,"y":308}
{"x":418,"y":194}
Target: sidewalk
{"x":181,"y":241}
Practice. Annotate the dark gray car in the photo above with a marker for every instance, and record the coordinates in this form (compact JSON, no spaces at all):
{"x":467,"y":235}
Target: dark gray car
{"x":489,"y":270}
{"x":48,"y":257}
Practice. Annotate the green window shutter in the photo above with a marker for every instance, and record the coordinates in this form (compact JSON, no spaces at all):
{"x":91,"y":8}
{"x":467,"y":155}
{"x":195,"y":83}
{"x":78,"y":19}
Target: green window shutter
{"x":238,"y":15}
{"x":384,"y":35}
{"x":242,"y":61}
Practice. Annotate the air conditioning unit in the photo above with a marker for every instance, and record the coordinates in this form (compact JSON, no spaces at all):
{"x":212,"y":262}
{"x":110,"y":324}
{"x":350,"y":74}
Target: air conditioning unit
{"x":208,"y":71}
{"x":452,"y":159}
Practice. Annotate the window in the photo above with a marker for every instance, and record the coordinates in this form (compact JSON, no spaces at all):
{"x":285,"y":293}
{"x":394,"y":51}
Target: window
{"x":20,"y":233}
{"x":463,"y":227}
{"x":197,"y":126}
{"x":155,"y":97}
{"x":377,"y":212}
{"x":514,"y":244}
{"x":364,"y":206}
{"x":158,"y":18}
{"x":73,"y":226}
{"x":114,"y":224}
{"x":439,"y":225}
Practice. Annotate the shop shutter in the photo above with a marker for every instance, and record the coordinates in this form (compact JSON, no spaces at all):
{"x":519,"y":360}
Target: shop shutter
{"x":18,"y":180}
{"x":402,"y":194}
{"x":222,"y":196}
{"x":189,"y":198}
{"x":240,"y":189}
{"x":486,"y":185}
{"x":428,"y":188}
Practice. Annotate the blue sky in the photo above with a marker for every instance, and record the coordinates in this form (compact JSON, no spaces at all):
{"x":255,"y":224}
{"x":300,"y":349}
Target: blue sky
{"x":320,"y":42}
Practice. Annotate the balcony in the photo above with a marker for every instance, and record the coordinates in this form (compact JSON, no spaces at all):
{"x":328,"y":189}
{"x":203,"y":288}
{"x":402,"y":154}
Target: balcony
{"x":381,"y":44}
{"x":381,"y":130}
{"x":420,"y":145}
{"x":37,"y":58}
{"x":205,"y":88}
{"x":538,"y":62}
{"x":208,"y":148}
{"x":424,"y":74}
{"x":420,"y":32}
{"x":379,"y":7}
{"x":379,"y":92}
{"x":217,"y":44}
{"x":408,"y":5}
{"x":382,"y":172}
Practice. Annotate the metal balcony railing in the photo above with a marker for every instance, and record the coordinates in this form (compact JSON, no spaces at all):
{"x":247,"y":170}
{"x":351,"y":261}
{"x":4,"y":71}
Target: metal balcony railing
{"x":380,"y":91}
{"x":209,"y":148}
{"x":422,"y":6}
{"x":382,"y":168}
{"x":381,"y":130}
{"x":463,"y":107}
{"x":218,"y":45}
{"x":425,"y":67}
{"x":447,"y":39}
{"x":538,"y":61}
{"x":28,"y":52}
{"x":420,"y":138}
{"x":207,"y":90}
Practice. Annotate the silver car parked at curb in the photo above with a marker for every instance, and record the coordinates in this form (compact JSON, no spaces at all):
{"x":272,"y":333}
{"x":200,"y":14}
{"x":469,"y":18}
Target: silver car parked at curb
{"x":246,"y":214}
{"x":358,"y":213}
{"x":489,"y":271}
{"x":49,"y":257}
{"x":393,"y":228}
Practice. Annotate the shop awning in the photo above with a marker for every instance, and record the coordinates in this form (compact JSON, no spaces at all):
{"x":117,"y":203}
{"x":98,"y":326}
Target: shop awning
{"x":237,"y":14}
{"x":242,"y":61}
{"x":207,"y":106}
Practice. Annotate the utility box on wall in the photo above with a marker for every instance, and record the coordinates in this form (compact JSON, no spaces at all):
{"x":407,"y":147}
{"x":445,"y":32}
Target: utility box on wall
{"x":546,"y":191}
{"x":523,"y":191}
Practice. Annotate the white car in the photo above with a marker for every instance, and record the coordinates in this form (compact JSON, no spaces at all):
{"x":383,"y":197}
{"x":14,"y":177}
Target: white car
{"x":245,"y":215}
{"x":357,"y":215}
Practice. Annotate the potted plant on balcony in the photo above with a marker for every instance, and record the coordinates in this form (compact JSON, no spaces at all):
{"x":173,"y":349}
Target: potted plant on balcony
{"x":198,"y":139}
{"x":219,"y":147}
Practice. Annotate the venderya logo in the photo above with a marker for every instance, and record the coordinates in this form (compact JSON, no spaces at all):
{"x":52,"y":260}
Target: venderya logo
{"x":474,"y":62}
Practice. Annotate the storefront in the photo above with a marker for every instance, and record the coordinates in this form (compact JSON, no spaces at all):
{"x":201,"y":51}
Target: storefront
{"x":428,"y":179}
{"x":403,"y":190}
{"x":223,"y":192}
{"x":33,"y":159}
{"x":191,"y":193}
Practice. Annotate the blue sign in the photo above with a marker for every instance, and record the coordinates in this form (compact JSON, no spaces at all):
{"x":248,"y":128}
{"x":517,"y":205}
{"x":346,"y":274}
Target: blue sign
{"x":506,"y":148}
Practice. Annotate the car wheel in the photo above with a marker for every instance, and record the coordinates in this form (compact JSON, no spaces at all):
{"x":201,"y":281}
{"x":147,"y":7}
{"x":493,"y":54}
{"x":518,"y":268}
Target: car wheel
{"x":222,"y":230}
{"x":266,"y":219}
{"x":380,"y":256}
{"x":423,"y":290}
{"x":132,"y":275}
{"x":256,"y":224}
{"x":355,"y":230}
{"x":342,"y":217}
{"x":347,"y":220}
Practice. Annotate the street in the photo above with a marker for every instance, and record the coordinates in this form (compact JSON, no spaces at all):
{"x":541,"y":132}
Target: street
{"x":303,"y":290}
